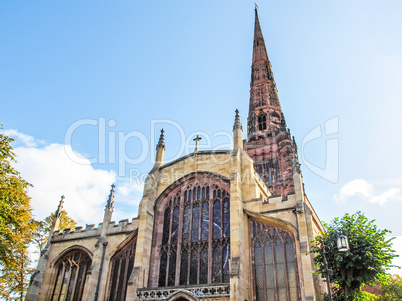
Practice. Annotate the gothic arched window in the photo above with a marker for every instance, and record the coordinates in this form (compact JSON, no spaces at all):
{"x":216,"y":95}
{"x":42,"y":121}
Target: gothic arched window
{"x":192,"y":234}
{"x":262,"y":122}
{"x":274,"y":263}
{"x":71,"y":273}
{"x":121,"y":266}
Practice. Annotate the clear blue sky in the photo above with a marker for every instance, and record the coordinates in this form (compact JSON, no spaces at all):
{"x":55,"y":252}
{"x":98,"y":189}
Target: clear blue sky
{"x":189,"y":61}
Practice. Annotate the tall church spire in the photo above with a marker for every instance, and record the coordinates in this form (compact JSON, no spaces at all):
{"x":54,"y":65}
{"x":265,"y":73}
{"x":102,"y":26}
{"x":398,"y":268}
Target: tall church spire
{"x":259,"y":50}
{"x":269,"y":142}
{"x":263,"y":93}
{"x":261,"y":66}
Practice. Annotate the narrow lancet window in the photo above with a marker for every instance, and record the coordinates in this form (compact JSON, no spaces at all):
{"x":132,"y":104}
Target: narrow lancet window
{"x":262,"y":122}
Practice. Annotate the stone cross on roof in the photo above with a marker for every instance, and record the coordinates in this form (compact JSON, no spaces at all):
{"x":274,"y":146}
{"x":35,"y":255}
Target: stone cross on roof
{"x":196,"y":139}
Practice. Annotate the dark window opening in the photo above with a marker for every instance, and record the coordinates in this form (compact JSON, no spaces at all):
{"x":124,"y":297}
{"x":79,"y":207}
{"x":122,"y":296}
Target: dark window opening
{"x":71,"y":274}
{"x":262,"y":122}
{"x":121,"y":264}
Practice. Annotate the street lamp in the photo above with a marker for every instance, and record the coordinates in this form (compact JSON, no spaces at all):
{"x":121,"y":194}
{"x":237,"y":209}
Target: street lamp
{"x":343,"y":246}
{"x":342,"y":243}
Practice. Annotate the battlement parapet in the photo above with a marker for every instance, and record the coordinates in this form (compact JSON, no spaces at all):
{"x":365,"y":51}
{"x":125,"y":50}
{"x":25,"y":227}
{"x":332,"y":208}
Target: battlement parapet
{"x":123,"y":226}
{"x":78,"y":233}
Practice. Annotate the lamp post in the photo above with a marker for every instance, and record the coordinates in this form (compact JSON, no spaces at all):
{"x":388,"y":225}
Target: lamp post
{"x":343,"y":246}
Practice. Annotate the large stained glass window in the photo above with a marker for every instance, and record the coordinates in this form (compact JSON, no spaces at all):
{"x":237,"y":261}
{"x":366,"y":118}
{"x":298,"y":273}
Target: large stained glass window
{"x":71,"y":273}
{"x":122,"y":264}
{"x":192,"y":234}
{"x":274,"y":263}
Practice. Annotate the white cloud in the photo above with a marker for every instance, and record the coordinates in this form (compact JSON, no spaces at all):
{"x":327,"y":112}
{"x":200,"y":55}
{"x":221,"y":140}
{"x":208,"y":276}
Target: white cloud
{"x":362,"y":189}
{"x":26,"y":140}
{"x":53,"y":174}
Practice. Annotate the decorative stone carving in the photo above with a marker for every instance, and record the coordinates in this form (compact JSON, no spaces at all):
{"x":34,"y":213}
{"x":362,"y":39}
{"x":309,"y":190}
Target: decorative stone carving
{"x":201,"y":292}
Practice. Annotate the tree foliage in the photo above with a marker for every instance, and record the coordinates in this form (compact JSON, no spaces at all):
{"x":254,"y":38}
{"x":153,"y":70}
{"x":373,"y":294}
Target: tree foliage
{"x":16,"y":225}
{"x":391,"y":290}
{"x":44,"y":227}
{"x":367,"y":261}
{"x":364,"y":296}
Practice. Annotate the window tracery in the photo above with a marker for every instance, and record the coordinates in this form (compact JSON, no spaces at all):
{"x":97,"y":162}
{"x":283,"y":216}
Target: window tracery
{"x":274,"y":263}
{"x":121,"y":266}
{"x":71,"y":274}
{"x":192,"y":241}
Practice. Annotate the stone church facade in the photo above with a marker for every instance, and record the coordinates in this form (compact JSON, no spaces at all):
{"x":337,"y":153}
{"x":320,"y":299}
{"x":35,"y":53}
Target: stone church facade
{"x":212,"y":225}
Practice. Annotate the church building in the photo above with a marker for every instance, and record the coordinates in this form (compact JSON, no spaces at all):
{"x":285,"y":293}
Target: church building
{"x":213,"y":225}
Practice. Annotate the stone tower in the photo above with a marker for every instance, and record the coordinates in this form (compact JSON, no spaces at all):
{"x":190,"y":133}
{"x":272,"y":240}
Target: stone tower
{"x":269,"y":142}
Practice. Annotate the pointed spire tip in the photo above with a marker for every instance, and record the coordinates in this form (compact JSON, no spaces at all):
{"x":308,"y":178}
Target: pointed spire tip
{"x":161,"y":142}
{"x":60,"y":207}
{"x":61,"y":201}
{"x":237,"y":124}
{"x":110,"y":200}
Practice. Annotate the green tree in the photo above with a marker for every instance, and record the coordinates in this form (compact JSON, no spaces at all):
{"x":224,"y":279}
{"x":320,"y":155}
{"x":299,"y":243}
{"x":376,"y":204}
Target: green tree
{"x":16,"y":225}
{"x":43,"y":229}
{"x":364,"y":296}
{"x":391,"y":290}
{"x":367,"y":261}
